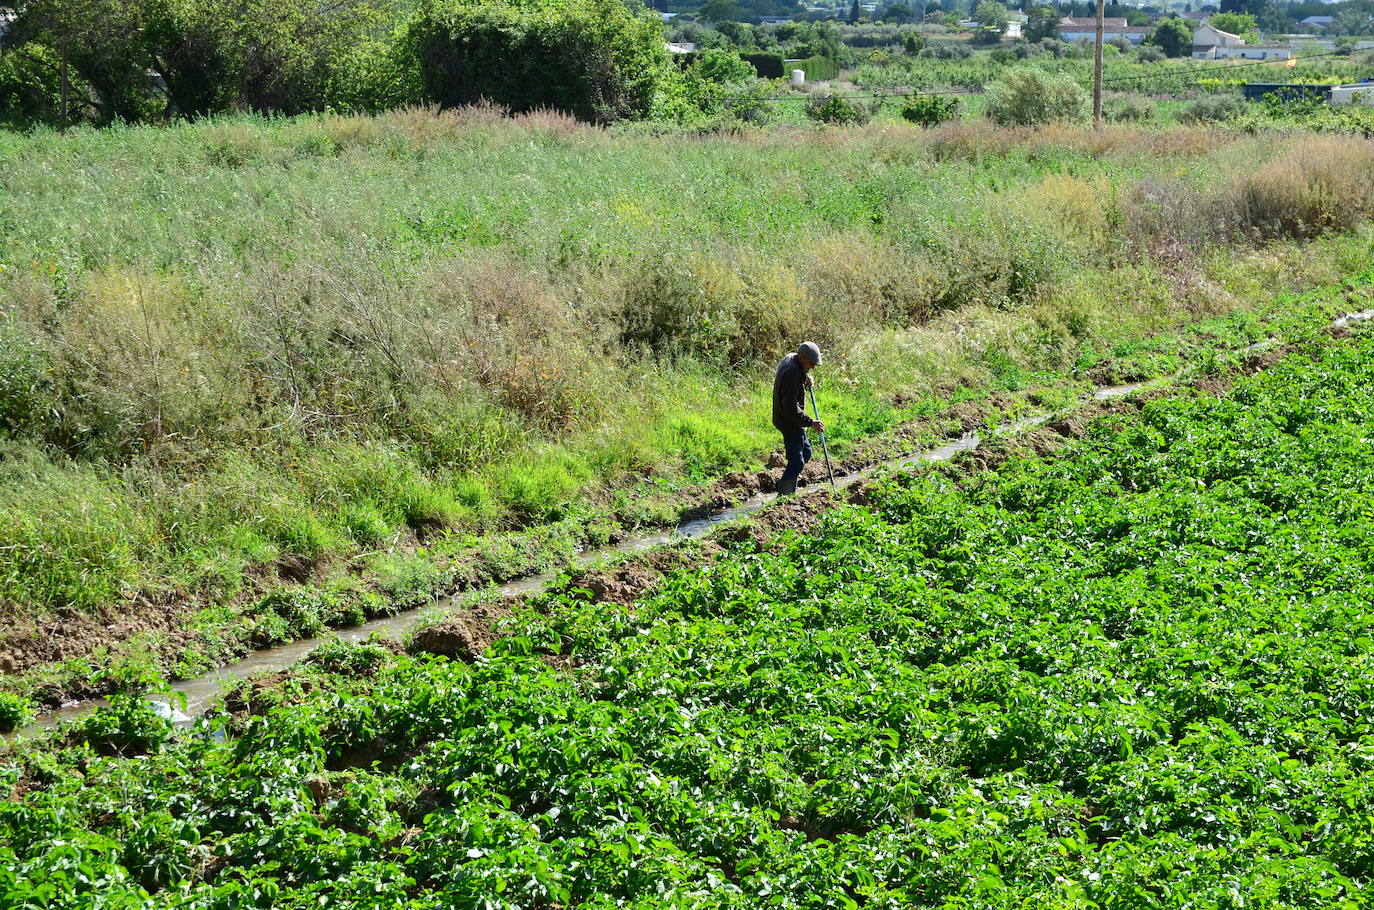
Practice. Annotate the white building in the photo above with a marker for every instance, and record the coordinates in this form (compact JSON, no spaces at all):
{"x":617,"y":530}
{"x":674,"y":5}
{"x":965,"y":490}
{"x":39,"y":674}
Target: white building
{"x":1211,"y":43}
{"x":1132,"y":33}
{"x":1361,"y":93}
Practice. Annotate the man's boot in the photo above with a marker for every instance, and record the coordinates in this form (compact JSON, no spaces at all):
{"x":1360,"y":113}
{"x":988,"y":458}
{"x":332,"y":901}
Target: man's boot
{"x":787,"y":487}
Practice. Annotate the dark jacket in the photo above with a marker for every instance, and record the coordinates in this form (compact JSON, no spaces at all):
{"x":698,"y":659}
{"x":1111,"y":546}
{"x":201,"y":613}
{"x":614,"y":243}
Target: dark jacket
{"x":789,"y":390}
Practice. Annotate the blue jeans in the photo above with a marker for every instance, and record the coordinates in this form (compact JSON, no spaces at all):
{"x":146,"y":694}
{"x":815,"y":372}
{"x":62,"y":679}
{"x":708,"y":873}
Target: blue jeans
{"x":798,"y":453}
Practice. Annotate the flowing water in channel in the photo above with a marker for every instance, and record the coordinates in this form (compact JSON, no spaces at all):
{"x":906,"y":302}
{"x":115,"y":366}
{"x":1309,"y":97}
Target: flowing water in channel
{"x":201,"y":692}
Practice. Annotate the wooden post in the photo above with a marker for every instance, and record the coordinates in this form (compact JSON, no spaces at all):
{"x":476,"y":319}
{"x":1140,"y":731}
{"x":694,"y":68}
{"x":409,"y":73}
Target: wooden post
{"x":1097,"y":69}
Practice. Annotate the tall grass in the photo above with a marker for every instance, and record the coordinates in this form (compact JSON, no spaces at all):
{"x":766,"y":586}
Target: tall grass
{"x":227,"y":342}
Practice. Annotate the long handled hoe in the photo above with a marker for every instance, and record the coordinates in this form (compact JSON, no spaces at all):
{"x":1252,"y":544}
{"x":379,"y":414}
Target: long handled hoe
{"x":824,"y":448}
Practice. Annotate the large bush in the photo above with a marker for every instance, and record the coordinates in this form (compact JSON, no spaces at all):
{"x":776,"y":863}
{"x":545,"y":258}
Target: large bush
{"x":930,"y":110}
{"x":28,"y":87}
{"x":143,"y":59}
{"x":1172,"y":36}
{"x":1029,"y":97}
{"x":1212,"y":109}
{"x":592,"y":58}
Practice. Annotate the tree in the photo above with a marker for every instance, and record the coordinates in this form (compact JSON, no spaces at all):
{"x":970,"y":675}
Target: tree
{"x":723,"y":67}
{"x":898,"y":13}
{"x":720,"y":11}
{"x":284,"y":56}
{"x":594,"y":59}
{"x":991,"y":14}
{"x":1242,"y":24}
{"x":1042,"y":22}
{"x":1173,"y":36}
{"x":105,"y":49}
{"x":1351,"y":21}
{"x":855,"y":11}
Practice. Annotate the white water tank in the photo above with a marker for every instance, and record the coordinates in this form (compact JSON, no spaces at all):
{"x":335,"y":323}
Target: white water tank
{"x":1353,"y":94}
{"x":798,"y":77}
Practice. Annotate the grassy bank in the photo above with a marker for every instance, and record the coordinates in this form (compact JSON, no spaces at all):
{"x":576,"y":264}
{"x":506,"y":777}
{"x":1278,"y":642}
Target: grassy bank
{"x":241,"y":358}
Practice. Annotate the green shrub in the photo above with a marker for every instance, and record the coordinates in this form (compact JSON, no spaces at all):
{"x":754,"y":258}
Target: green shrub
{"x":768,"y":66}
{"x":129,"y":726}
{"x":722,"y":66}
{"x":29,"y":87}
{"x":591,"y":58}
{"x":816,"y":68}
{"x":1129,"y":108}
{"x":1031,"y":97}
{"x":1212,"y":109}
{"x":930,"y":110}
{"x":28,"y":397}
{"x":836,"y":110}
{"x":15,"y":712}
{"x":947,"y":50}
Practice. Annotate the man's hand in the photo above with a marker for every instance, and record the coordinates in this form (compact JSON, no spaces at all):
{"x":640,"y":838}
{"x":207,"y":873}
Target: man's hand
{"x":809,"y":381}
{"x":818,"y":426}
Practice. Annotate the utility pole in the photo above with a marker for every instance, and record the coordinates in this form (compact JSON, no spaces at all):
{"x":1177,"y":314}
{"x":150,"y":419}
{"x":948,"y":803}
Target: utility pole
{"x":1097,"y":68}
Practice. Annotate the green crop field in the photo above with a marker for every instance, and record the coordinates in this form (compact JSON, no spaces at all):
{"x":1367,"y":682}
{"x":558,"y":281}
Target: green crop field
{"x":1134,"y":674}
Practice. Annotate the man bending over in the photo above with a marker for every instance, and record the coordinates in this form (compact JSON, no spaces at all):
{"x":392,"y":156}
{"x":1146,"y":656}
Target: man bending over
{"x":789,"y":411}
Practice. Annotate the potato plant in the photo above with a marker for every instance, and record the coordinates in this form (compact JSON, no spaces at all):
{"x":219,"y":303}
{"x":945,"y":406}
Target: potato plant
{"x":1136,"y":674}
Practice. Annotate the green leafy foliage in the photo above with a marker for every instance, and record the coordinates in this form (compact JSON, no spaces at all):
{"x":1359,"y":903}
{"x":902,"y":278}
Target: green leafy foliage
{"x":1029,"y":97}
{"x":15,"y":712}
{"x":594,"y":59}
{"x":1173,"y":36}
{"x":1062,"y":683}
{"x":716,"y":65}
{"x":817,"y":68}
{"x":836,"y":110}
{"x":929,"y":110}
{"x":1212,"y":109}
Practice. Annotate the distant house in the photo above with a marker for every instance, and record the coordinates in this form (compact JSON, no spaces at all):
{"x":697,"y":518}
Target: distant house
{"x":1211,"y":43}
{"x":1085,"y":29}
{"x":1208,"y":36}
{"x":1317,"y":23}
{"x":681,"y":47}
{"x":1072,"y":23}
{"x":7,"y":16}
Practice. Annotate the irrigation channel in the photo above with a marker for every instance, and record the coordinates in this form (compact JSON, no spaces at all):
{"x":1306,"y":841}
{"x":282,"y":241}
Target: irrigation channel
{"x":194,"y":697}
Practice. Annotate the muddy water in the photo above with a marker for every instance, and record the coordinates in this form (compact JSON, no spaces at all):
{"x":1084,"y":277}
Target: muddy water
{"x":199,"y":694}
